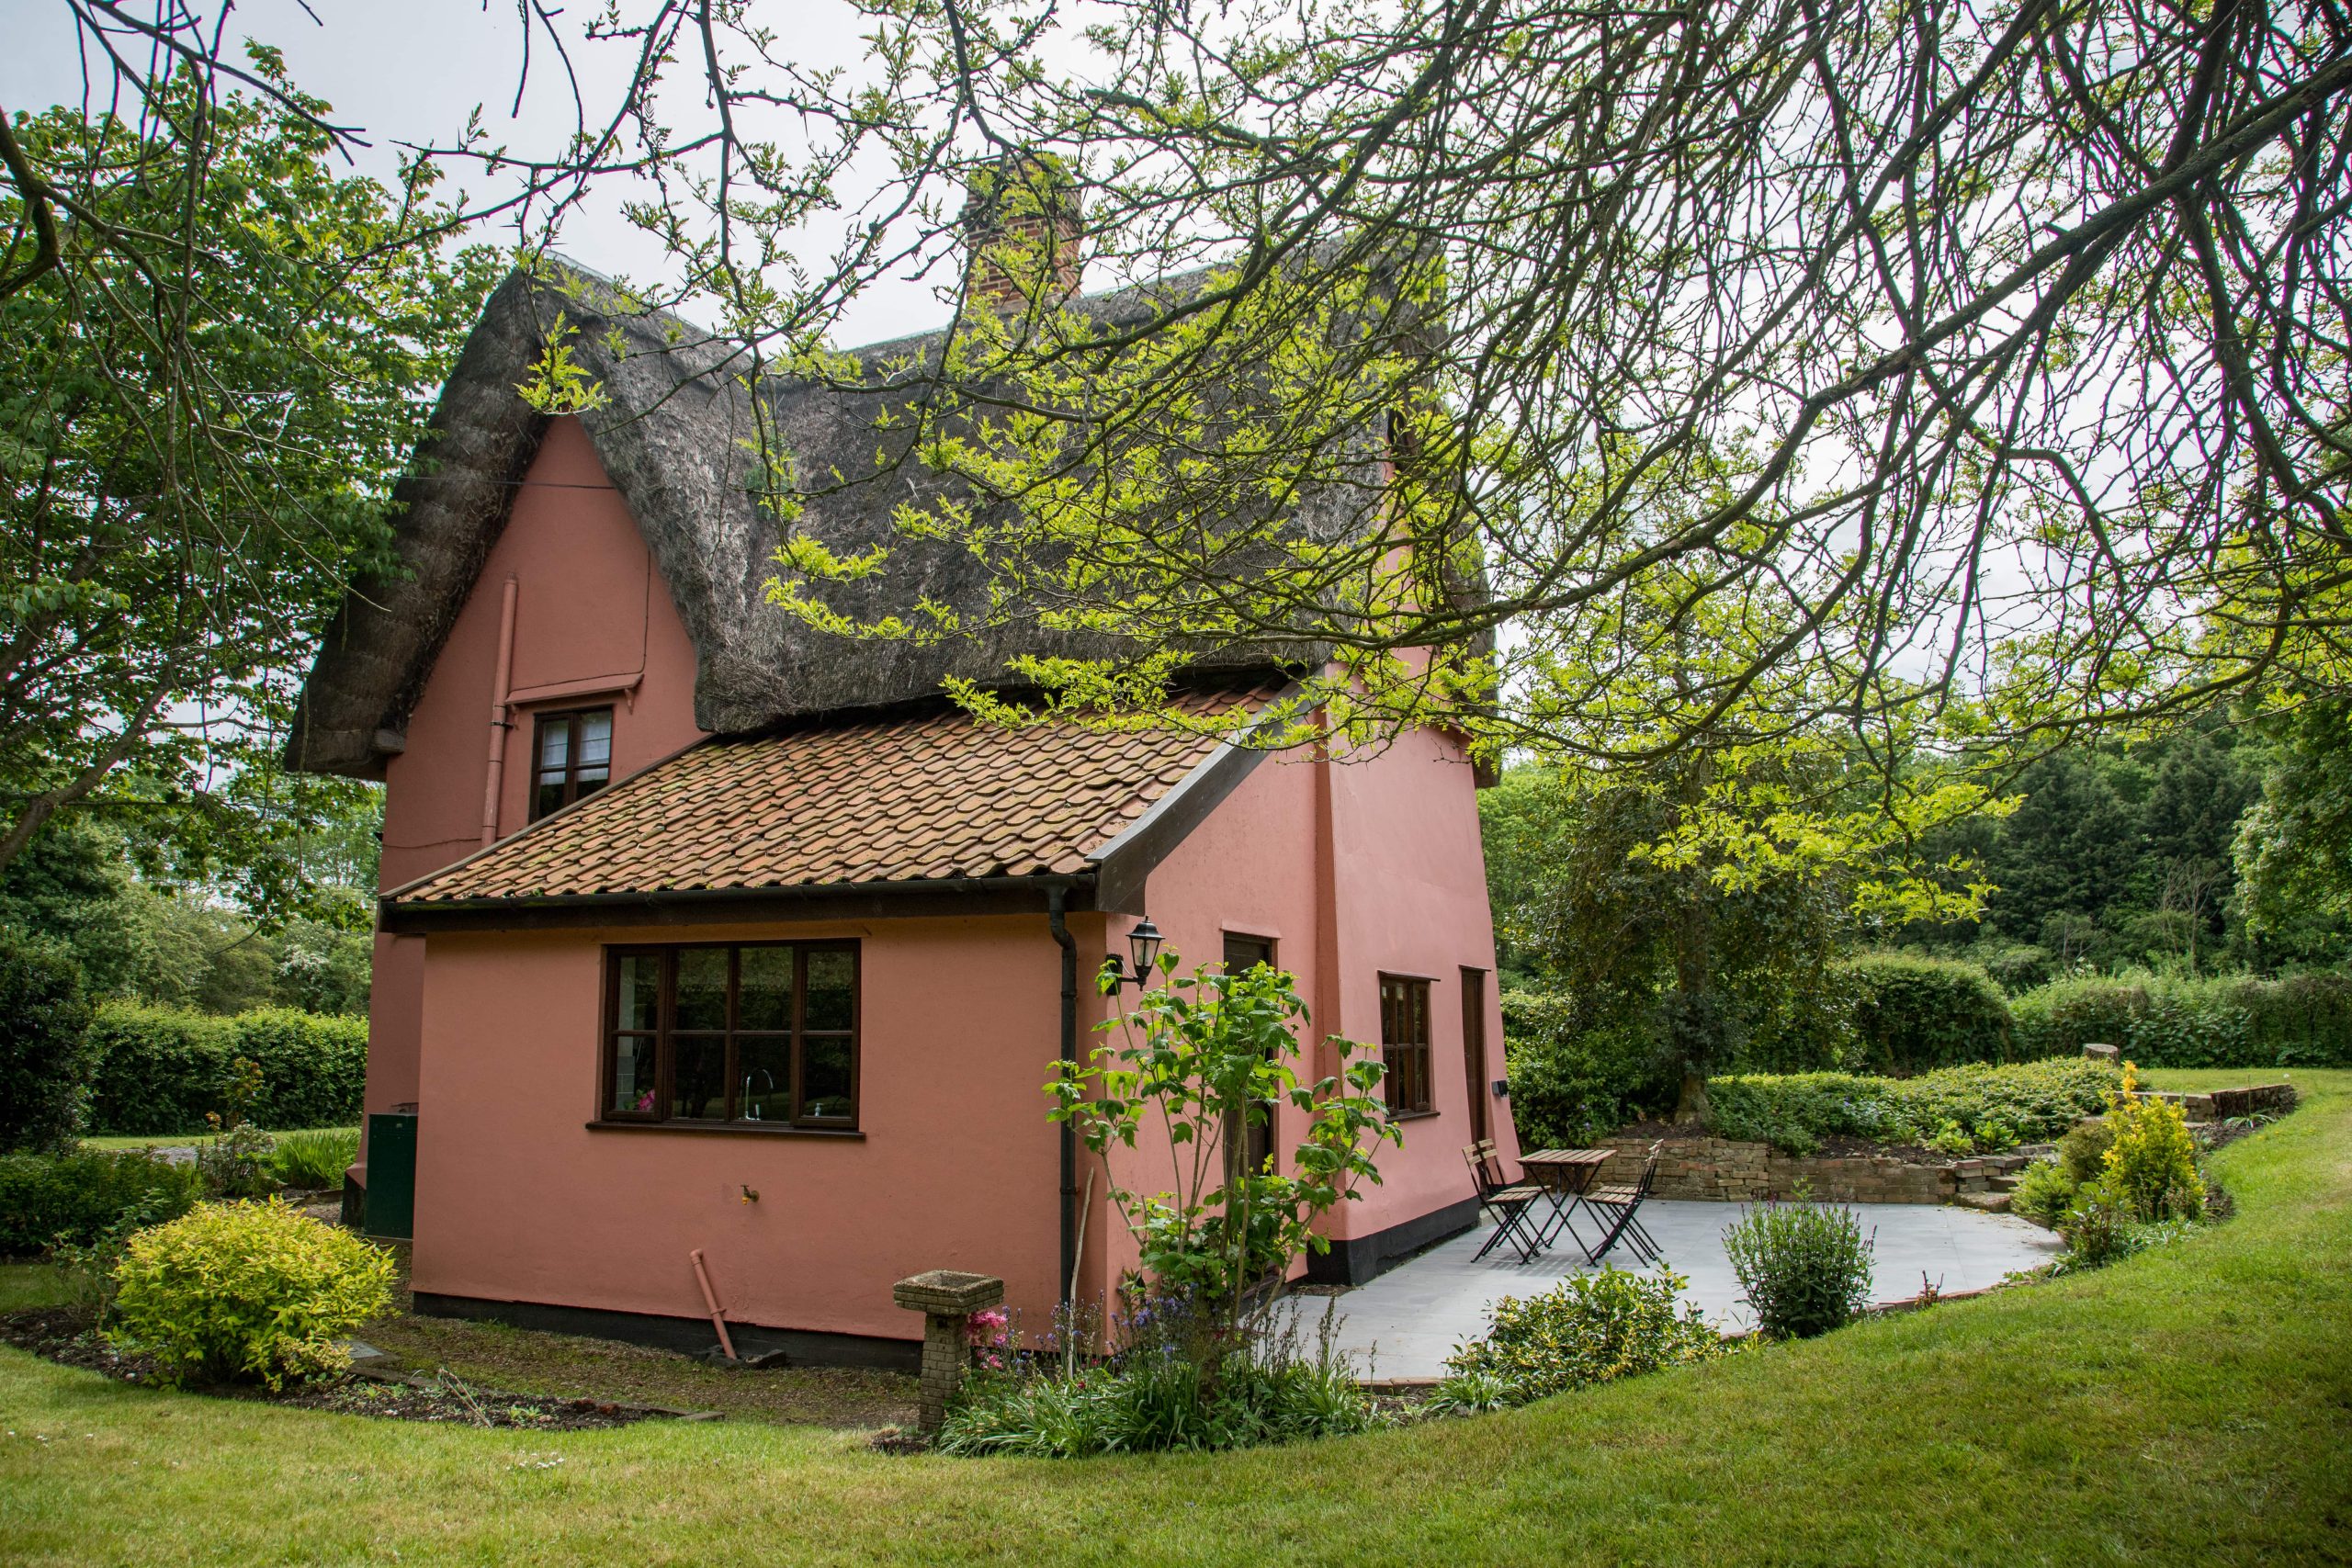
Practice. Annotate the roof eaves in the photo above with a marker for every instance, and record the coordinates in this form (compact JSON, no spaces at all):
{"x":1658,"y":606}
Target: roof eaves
{"x":707,"y":906}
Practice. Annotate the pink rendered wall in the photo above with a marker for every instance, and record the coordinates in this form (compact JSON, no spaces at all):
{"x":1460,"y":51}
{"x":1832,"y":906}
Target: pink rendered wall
{"x":518,"y":1200}
{"x":591,"y":608}
{"x":1248,"y":870}
{"x":1354,"y":867}
{"x":1410,"y":871}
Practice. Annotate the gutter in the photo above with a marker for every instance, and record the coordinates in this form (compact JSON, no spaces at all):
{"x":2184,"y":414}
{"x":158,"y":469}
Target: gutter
{"x":774,"y":901}
{"x":1056,"y":903}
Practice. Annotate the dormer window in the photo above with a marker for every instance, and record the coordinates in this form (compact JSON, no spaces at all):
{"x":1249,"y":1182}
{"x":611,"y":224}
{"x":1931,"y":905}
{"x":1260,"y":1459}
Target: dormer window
{"x":573,"y":756}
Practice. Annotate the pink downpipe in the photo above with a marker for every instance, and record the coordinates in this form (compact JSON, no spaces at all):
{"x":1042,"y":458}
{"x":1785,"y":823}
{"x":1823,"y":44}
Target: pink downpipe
{"x":710,"y":1300}
{"x":502,"y":686}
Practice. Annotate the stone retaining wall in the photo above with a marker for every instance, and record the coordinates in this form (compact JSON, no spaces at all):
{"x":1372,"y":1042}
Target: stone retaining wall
{"x":1727,"y":1172}
{"x":2270,"y":1099}
{"x":1724,"y":1170}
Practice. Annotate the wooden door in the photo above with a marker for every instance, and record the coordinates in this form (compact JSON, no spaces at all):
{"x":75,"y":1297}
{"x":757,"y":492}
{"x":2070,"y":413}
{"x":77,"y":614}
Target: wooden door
{"x":1473,"y":1047}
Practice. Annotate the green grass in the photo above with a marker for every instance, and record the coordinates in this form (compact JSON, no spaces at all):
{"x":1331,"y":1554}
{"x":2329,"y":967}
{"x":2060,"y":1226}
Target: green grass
{"x":2193,"y":1405}
{"x":180,"y":1139}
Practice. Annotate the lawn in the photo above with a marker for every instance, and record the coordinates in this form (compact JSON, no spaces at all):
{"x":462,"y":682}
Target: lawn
{"x":2192,"y":1404}
{"x":176,"y":1140}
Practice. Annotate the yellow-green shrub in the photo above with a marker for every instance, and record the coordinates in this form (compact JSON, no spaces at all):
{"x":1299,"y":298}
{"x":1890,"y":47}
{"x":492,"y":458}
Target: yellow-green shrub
{"x":2151,"y":1164}
{"x":247,"y":1290}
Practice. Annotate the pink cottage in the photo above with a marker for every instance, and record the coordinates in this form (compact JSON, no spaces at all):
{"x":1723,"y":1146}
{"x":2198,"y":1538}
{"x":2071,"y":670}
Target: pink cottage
{"x":703,"y":931}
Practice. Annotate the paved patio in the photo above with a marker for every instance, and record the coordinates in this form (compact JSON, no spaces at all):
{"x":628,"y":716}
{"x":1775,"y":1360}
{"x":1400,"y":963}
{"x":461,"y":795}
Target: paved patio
{"x":1405,"y":1322}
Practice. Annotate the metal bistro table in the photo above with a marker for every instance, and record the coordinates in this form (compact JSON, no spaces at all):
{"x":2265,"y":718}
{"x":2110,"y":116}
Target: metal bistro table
{"x":1566,"y":1174}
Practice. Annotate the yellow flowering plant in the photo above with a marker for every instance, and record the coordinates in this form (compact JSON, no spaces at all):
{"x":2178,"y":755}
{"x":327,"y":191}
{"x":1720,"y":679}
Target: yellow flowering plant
{"x":2150,"y":1164}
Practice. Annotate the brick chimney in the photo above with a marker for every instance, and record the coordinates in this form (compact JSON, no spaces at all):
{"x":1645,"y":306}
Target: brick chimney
{"x":1021,"y":224}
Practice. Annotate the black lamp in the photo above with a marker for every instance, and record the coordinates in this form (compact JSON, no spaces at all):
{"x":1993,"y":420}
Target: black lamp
{"x":1143,"y":945}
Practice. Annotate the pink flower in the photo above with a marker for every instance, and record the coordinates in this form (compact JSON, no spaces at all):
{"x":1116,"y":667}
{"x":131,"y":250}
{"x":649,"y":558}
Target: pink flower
{"x":988,"y":1328}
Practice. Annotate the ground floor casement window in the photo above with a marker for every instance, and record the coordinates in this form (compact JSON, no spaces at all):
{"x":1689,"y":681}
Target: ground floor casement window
{"x":753,"y":1034}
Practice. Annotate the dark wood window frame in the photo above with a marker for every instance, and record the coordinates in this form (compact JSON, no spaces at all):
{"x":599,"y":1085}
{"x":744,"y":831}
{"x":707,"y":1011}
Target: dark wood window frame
{"x":1404,"y":1014}
{"x":663,"y":1038}
{"x":570,"y":789}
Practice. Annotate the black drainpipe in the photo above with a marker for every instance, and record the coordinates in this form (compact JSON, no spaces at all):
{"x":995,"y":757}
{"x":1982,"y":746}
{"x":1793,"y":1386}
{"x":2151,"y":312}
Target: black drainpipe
{"x":1057,"y":900}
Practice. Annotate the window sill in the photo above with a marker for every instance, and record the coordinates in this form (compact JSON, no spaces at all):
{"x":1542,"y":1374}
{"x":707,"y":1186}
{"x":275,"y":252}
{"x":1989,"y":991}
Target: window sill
{"x":741,"y":1129}
{"x":1412,"y":1115}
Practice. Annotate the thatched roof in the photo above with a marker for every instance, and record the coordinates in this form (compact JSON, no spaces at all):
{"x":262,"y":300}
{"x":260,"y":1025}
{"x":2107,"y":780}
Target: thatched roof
{"x":678,"y":439}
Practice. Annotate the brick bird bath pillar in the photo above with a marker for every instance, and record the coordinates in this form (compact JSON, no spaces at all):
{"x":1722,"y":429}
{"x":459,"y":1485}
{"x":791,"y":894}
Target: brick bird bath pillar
{"x":947,"y":1301}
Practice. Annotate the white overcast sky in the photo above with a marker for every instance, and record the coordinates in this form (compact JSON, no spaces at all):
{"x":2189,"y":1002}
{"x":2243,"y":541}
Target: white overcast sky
{"x":412,"y":69}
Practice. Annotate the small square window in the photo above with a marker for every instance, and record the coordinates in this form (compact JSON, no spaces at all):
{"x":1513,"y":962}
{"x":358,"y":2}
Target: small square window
{"x":572,"y":756}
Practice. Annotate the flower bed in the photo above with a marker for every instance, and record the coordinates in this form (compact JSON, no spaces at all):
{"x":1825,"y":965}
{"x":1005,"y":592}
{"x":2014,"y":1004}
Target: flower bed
{"x":67,"y":1335}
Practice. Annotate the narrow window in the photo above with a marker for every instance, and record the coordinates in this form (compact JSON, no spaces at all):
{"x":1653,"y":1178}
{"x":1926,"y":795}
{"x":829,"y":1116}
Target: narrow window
{"x":751,"y":1034}
{"x":572,"y":756}
{"x":1405,"y":1044}
{"x":1243,"y":953}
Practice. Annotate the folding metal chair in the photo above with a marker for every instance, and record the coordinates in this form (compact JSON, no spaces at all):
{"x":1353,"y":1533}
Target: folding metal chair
{"x":1618,"y":1208}
{"x":1512,"y":1206}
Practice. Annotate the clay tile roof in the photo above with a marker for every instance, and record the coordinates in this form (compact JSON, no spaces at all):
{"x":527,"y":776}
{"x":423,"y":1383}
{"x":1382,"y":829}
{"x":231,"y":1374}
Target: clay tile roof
{"x":923,"y":797}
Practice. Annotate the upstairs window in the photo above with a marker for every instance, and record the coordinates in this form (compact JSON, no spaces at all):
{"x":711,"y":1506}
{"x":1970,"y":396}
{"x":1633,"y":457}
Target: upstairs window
{"x":1405,"y":1044}
{"x":752,"y":1036}
{"x":572,"y":756}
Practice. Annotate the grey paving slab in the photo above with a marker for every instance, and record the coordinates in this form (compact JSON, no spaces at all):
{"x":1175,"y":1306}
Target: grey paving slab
{"x":1404,"y":1323}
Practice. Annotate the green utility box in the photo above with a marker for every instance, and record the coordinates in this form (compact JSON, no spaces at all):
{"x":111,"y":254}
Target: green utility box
{"x":391,"y":1174}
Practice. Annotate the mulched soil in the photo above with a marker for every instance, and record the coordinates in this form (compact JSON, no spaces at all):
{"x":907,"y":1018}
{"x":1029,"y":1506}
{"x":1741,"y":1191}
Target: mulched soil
{"x":452,"y":1402}
{"x":64,"y":1336}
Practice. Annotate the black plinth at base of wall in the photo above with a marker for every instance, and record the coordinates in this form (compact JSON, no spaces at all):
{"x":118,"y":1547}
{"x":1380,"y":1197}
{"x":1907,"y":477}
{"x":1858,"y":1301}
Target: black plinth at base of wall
{"x":691,"y":1334}
{"x":1349,"y":1262}
{"x":1360,"y":1258}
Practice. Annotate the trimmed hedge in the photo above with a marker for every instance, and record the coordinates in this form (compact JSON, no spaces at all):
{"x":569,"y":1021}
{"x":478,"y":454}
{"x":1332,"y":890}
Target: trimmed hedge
{"x":79,"y":1197}
{"x":313,"y":1065}
{"x":1990,"y":1107}
{"x":2302,"y":1020}
{"x":45,"y":1051}
{"x":1913,"y":1014}
{"x":160,"y":1070}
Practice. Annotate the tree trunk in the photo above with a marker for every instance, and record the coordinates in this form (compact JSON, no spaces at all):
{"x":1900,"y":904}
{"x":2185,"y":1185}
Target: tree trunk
{"x":1691,"y":1108}
{"x":1693,"y":960}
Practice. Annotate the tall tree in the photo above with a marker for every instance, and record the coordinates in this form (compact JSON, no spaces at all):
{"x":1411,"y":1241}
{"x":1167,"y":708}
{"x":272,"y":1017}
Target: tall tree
{"x":2004,"y":339}
{"x":2294,"y":845}
{"x":222,"y":350}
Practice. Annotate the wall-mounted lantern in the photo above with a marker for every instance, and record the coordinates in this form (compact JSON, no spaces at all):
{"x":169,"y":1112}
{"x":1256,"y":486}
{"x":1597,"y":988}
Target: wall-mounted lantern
{"x":1142,"y":946}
